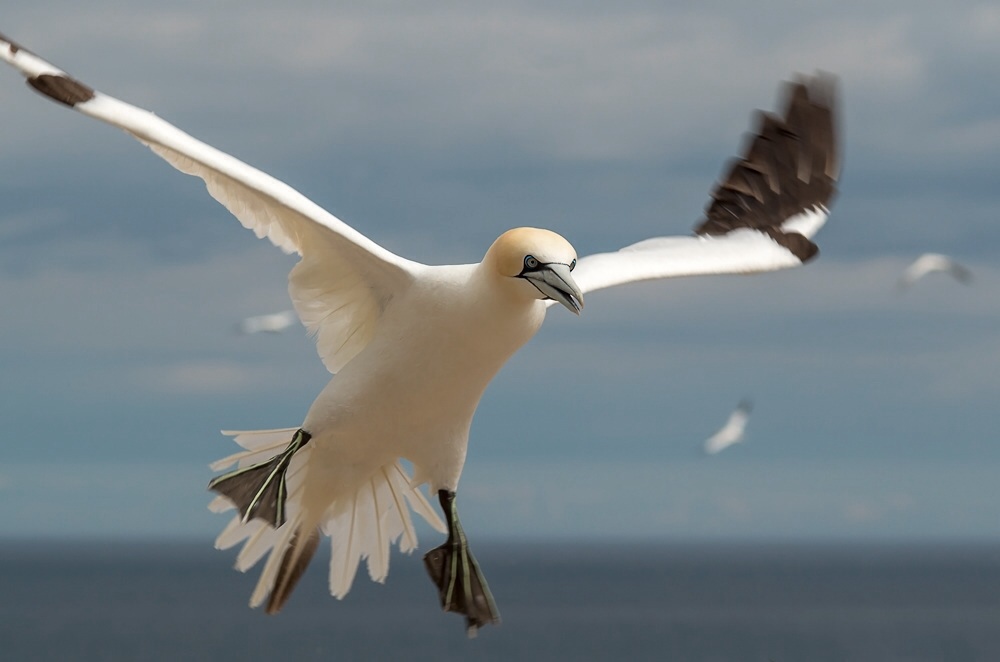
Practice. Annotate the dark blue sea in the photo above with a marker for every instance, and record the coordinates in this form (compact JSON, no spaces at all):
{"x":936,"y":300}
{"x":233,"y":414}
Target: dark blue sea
{"x":801,"y":603}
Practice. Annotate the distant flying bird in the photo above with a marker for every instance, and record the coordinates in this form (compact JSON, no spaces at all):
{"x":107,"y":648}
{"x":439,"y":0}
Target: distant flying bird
{"x":732,"y":432}
{"x":929,"y":263}
{"x":273,"y":323}
{"x":414,"y":346}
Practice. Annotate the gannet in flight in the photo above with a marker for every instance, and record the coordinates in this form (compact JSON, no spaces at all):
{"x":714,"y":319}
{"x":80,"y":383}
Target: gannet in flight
{"x":929,"y":263}
{"x":732,"y":432}
{"x":271,"y":323}
{"x":414,"y":346}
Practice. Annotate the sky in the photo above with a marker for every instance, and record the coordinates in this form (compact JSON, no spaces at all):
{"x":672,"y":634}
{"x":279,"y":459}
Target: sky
{"x":432,"y":127}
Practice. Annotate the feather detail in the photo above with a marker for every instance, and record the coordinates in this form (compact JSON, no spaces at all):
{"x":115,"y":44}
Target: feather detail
{"x":220,"y":504}
{"x":362,"y":526}
{"x":399,"y":512}
{"x":256,"y":546}
{"x":418,"y":502}
{"x":378,"y":561}
{"x":343,"y":559}
{"x":267,"y":577}
{"x":293,"y":565}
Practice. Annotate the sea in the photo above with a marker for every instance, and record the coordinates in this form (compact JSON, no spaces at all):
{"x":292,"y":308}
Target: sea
{"x":182,"y":601}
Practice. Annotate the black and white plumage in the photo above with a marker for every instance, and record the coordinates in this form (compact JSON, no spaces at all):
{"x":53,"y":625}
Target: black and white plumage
{"x":765,"y":210}
{"x":929,"y":263}
{"x":732,"y":432}
{"x":414,"y":346}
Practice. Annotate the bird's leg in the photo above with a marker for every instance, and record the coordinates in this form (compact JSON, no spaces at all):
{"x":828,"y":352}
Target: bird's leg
{"x":455,"y":572}
{"x":259,"y":489}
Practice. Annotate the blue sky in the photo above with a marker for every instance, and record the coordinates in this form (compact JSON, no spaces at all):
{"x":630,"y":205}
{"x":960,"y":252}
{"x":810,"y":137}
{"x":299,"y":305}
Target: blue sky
{"x":431,"y":129}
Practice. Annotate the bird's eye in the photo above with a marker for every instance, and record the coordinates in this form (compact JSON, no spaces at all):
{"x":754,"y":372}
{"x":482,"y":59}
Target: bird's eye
{"x":572,"y":265}
{"x":530,"y":262}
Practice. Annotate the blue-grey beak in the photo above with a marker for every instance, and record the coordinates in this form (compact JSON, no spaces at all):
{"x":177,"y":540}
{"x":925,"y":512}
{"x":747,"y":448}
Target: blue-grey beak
{"x":555,"y":281}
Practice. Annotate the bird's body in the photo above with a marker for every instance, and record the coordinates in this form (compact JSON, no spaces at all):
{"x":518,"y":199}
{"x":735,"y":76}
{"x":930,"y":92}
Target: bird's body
{"x":410,"y":393}
{"x":413,"y":390}
{"x":929,"y":263}
{"x":413,"y":347}
{"x":732,"y":432}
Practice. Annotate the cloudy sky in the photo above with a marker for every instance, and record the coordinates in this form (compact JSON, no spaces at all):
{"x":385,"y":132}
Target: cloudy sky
{"x":431,"y":127}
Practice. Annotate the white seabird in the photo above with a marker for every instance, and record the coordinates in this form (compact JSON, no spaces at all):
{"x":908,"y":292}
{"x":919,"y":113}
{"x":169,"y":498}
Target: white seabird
{"x":732,"y":432}
{"x":929,"y":263}
{"x":414,"y":346}
{"x":270,"y":323}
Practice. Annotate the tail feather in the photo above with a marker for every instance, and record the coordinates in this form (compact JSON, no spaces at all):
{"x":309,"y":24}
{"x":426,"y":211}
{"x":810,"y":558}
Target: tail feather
{"x":378,"y":562}
{"x":345,"y":555}
{"x":259,"y":445}
{"x":357,"y":535}
{"x":293,"y":564}
{"x":270,"y":573}
{"x":362,"y":525}
{"x":253,"y":440}
{"x":220,"y":504}
{"x":257,"y":545}
{"x":235,"y":531}
{"x":399,"y":515}
{"x":420,"y":504}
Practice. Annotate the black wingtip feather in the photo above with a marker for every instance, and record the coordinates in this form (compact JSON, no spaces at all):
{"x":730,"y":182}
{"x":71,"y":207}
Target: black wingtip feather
{"x":61,"y":88}
{"x":790,"y":165}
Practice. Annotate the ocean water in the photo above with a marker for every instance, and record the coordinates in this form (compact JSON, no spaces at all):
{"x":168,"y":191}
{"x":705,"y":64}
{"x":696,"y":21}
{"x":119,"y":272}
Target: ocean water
{"x":719,"y":602}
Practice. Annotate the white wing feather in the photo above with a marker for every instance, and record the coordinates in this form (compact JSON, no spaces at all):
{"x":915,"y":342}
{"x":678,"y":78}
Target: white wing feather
{"x":762,"y":213}
{"x":364,"y":276}
{"x":742,"y":251}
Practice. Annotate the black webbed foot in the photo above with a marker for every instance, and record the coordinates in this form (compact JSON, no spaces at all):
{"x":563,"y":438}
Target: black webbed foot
{"x":455,"y":572}
{"x":259,"y":489}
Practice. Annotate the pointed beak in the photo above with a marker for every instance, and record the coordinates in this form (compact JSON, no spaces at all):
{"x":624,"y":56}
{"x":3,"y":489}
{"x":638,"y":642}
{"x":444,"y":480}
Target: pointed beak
{"x":555,"y":281}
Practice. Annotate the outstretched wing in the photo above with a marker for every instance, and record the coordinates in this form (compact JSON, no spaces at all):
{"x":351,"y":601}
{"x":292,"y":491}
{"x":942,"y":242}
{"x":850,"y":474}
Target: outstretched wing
{"x":929,"y":263}
{"x":763,"y":213}
{"x":344,"y":280}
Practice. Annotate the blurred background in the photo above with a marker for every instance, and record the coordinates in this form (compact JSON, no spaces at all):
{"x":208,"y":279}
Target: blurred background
{"x":431,"y":129}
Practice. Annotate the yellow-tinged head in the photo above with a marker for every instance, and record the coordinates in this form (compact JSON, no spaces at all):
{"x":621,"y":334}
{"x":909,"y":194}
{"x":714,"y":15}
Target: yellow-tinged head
{"x":540,"y":257}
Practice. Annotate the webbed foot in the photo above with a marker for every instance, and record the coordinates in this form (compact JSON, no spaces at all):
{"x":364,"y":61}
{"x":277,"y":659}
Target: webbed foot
{"x":455,"y":572}
{"x":259,"y":489}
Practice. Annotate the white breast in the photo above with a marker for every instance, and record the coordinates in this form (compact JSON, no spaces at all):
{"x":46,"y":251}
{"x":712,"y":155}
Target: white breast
{"x":413,"y":390}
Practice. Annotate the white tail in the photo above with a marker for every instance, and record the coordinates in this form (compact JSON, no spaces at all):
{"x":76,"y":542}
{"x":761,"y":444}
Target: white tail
{"x":361,"y":526}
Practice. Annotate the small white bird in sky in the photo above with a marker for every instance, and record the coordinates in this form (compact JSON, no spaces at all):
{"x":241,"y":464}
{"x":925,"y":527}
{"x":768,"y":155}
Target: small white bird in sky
{"x":732,"y":432}
{"x":929,"y":263}
{"x":271,"y":323}
{"x":414,"y":346}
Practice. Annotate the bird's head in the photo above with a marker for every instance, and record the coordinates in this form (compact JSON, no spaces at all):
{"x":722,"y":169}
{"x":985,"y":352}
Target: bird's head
{"x":538,"y":264}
